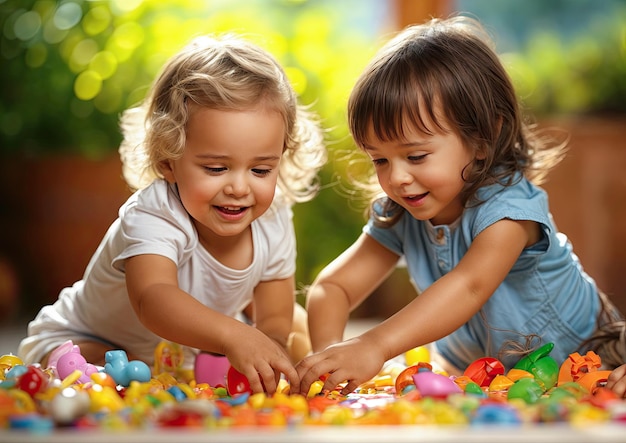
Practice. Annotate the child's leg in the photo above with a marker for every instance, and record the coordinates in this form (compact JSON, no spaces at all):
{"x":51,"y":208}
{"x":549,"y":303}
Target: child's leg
{"x":93,"y":352}
{"x":299,"y":343}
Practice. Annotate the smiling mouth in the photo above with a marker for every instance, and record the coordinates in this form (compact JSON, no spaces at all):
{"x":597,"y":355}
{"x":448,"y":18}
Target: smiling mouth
{"x":232,"y":210}
{"x":415,"y":197}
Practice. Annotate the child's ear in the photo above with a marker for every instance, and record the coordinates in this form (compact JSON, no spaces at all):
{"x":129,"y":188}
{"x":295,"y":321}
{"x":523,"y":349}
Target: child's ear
{"x":165,"y":167}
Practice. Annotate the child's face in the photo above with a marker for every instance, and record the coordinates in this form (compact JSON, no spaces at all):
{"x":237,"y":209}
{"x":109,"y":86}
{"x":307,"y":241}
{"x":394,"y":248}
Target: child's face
{"x":422,"y":173}
{"x":227,"y":174}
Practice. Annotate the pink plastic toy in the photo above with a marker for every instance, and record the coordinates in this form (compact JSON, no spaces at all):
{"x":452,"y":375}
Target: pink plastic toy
{"x":430,"y":384}
{"x":211,"y":369}
{"x":71,"y":361}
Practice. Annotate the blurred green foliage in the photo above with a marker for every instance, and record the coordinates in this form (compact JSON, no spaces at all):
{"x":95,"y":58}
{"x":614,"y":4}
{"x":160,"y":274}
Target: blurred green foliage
{"x":70,"y":67}
{"x":582,"y":74}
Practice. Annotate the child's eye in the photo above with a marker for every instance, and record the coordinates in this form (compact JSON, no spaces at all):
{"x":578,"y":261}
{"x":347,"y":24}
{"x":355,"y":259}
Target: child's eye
{"x":379,"y":161}
{"x":261,"y":172}
{"x":416,"y":158}
{"x":214,"y":170}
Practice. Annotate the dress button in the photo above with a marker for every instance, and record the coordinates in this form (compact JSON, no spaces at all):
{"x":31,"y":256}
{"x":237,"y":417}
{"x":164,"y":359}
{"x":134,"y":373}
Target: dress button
{"x":440,"y":236}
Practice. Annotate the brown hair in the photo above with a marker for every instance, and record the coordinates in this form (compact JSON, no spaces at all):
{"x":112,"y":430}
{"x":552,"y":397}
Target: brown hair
{"x":449,"y":64}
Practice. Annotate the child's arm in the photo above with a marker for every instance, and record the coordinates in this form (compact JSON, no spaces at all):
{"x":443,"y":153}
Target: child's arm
{"x":439,"y":310}
{"x":617,"y":381}
{"x":273,"y":309}
{"x":342,"y":285}
{"x":175,"y":315}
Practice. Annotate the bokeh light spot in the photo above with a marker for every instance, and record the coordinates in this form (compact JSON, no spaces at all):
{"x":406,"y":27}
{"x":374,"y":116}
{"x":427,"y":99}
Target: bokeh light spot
{"x":128,"y":36}
{"x":96,"y":20}
{"x":52,"y":34}
{"x":68,"y":15}
{"x":83,"y":52}
{"x":88,"y":84}
{"x":27,"y":25}
{"x":104,"y":63}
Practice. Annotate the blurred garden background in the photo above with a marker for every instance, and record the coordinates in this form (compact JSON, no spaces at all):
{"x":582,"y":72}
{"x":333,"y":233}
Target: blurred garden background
{"x":69,"y":67}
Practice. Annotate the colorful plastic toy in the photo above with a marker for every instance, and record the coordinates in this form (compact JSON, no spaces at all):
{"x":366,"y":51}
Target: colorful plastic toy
{"x":236,"y":382}
{"x":168,"y":359}
{"x":405,"y":378}
{"x":414,"y":356}
{"x":7,"y":361}
{"x":584,"y":370}
{"x":544,"y":368}
{"x":68,"y":405}
{"x":123,"y":371}
{"x":72,"y":361}
{"x":430,"y":384}
{"x":527,"y":389}
{"x":211,"y":369}
{"x":33,"y":381}
{"x":484,"y":370}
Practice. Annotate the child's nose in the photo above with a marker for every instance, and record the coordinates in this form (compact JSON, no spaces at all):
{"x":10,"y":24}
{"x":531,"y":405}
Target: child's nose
{"x":399,"y":175}
{"x":237,"y":187}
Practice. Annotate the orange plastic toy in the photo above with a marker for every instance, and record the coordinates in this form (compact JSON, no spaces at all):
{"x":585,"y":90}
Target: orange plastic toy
{"x":583,"y":370}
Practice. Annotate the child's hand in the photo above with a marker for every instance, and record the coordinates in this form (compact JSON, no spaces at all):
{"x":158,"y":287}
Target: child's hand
{"x":617,"y":381}
{"x":260,"y":359}
{"x":355,"y":361}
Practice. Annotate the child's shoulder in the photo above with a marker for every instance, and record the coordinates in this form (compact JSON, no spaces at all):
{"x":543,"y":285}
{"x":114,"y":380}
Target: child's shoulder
{"x":520,"y":200}
{"x":519,"y":188}
{"x":158,"y":197}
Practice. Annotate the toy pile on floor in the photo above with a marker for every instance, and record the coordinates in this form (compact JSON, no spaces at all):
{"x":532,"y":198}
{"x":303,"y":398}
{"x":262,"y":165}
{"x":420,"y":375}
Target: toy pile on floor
{"x":127,"y":395}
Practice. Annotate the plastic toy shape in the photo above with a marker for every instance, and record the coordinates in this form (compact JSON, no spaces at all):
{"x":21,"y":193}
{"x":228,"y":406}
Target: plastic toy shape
{"x":33,"y":381}
{"x":594,"y":380}
{"x":430,"y":384}
{"x":69,"y":405}
{"x":500,"y":383}
{"x":405,"y":378}
{"x":236,"y":382}
{"x":72,"y":361}
{"x":496,"y":414}
{"x":211,"y":369}
{"x":123,"y":371}
{"x":576,"y":366}
{"x":527,"y":389}
{"x":414,"y":356}
{"x":584,"y":371}
{"x":7,"y":361}
{"x":484,"y":370}
{"x":63,"y":349}
{"x":168,"y":358}
{"x":543,"y":367}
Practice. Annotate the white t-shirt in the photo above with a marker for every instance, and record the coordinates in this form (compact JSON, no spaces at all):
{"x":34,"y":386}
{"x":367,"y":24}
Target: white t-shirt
{"x":154,"y":221}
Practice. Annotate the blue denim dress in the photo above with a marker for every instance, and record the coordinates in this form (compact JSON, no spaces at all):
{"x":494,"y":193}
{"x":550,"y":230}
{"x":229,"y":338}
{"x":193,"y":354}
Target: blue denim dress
{"x":547,"y":292}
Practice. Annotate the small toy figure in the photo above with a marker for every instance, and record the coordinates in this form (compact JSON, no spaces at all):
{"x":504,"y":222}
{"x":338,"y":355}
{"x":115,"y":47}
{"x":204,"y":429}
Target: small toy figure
{"x":74,"y":361}
{"x":123,"y":371}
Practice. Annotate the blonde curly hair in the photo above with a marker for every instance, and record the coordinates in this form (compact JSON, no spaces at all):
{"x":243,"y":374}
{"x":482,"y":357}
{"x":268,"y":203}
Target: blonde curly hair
{"x":226,"y":73}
